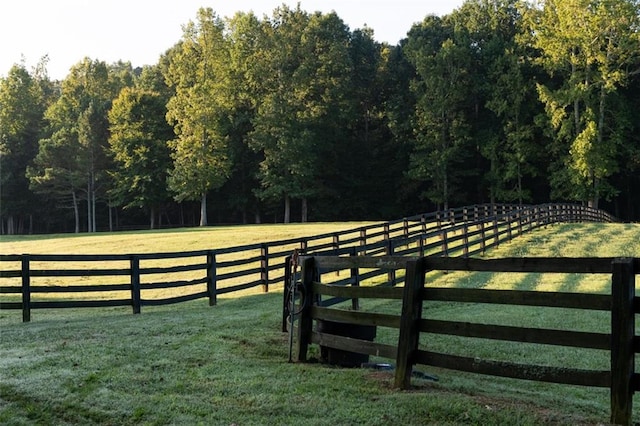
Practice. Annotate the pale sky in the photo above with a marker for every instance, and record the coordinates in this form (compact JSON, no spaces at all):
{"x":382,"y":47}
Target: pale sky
{"x":139,"y":31}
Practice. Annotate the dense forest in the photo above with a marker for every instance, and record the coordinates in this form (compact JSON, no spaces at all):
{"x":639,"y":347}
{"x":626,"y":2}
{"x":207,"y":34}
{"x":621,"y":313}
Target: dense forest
{"x":296,"y":117}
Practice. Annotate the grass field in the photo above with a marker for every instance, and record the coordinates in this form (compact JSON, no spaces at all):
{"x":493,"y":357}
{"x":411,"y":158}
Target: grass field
{"x":223,"y":365}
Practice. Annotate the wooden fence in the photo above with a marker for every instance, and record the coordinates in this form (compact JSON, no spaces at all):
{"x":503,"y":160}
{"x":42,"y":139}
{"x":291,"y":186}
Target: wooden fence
{"x":36,"y":281}
{"x":622,"y":304}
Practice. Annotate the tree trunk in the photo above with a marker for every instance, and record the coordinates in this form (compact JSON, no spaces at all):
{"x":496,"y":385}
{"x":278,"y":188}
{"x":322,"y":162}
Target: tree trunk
{"x":305,"y":210}
{"x":152,"y":218}
{"x":93,"y":207}
{"x":11,"y":228}
{"x":203,"y":210}
{"x":76,"y":212}
{"x":89,"y":205}
{"x":287,"y":209}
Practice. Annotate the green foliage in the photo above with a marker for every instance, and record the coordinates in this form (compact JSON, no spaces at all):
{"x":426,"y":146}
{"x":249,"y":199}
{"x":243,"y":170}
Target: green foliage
{"x":23,"y":100}
{"x":199,"y":110}
{"x":301,"y":116}
{"x":442,"y":88}
{"x":72,"y":160}
{"x":499,"y":101}
{"x":590,"y":45}
{"x":138,"y":142}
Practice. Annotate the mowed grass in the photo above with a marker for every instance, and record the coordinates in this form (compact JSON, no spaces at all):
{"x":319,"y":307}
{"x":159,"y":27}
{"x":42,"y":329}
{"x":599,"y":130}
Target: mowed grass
{"x":227,"y":364}
{"x":162,"y":241}
{"x":167,"y":241}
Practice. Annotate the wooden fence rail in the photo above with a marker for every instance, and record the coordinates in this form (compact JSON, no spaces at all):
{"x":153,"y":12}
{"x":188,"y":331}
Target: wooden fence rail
{"x":622,"y":304}
{"x":35,"y":281}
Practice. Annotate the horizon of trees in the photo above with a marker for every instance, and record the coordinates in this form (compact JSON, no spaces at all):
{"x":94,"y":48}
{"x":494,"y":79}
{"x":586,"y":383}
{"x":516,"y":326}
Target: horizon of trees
{"x":294,"y":116}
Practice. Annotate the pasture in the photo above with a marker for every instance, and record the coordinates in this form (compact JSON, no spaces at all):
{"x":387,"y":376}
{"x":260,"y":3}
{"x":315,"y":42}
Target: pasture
{"x":194,"y":364}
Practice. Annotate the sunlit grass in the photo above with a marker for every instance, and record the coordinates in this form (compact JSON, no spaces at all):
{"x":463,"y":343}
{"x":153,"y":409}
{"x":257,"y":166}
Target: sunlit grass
{"x":162,"y":241}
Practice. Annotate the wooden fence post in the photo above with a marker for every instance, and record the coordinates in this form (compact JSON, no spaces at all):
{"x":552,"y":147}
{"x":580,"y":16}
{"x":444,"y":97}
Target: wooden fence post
{"x":391,"y":275}
{"x":519,"y":222}
{"x":622,"y":337}
{"x":286,"y":299}
{"x":264,"y":267}
{"x":465,"y":240}
{"x":355,"y":280}
{"x":136,"y":300}
{"x":211,"y":278}
{"x":305,"y":322}
{"x":409,"y":322}
{"x":363,"y":241}
{"x":26,"y":288}
{"x":405,"y":228}
{"x":445,"y":243}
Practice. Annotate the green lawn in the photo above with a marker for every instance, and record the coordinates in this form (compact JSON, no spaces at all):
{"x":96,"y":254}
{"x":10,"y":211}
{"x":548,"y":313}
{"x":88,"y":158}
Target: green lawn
{"x":227,"y":364}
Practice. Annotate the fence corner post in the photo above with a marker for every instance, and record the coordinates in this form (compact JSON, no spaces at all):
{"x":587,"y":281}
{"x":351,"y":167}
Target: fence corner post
{"x":136,"y":301}
{"x":305,"y":322}
{"x":622,"y":337}
{"x":409,"y":322}
{"x":26,"y":288}
{"x":212,"y":284}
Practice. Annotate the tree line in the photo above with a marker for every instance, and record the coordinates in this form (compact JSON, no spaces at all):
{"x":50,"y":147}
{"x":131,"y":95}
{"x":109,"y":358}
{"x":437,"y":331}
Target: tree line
{"x":295,"y":117}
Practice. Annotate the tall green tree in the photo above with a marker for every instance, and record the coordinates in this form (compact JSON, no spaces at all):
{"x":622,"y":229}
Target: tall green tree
{"x":72,"y":161}
{"x":139,"y":136}
{"x":301,"y":116}
{"x":245,"y":50}
{"x":502,"y":91}
{"x":588,"y":47}
{"x":371,"y":160}
{"x":199,"y":110}
{"x":441,"y":125}
{"x":23,"y":100}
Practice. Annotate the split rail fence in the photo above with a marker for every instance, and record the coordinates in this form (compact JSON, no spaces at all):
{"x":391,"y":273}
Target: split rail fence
{"x":51,"y":281}
{"x":413,"y":320}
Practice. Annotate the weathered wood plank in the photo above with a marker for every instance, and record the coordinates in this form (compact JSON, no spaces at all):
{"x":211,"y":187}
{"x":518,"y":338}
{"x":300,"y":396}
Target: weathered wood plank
{"x":569,"y":376}
{"x":349,"y":262}
{"x":176,"y":299}
{"x":349,"y":292}
{"x":55,"y":304}
{"x":601,"y":302}
{"x":518,"y":334}
{"x":354,"y":345}
{"x":591,"y":265}
{"x":356,"y":317}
